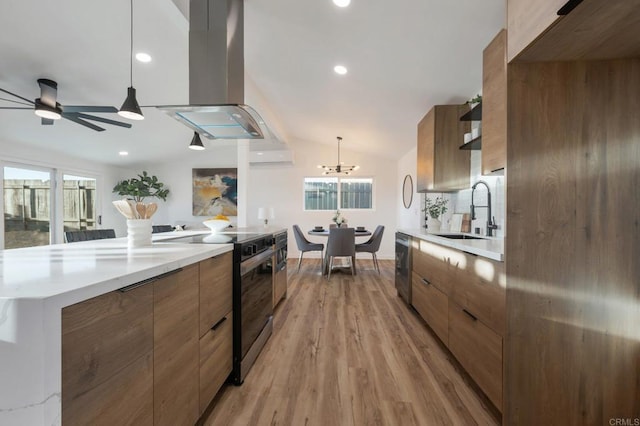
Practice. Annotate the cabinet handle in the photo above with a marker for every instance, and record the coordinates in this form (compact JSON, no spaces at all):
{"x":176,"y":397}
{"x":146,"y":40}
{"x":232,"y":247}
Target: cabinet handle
{"x":501,"y":168}
{"x":218,"y":324}
{"x":426,"y":281}
{"x":568,"y":7}
{"x":473,"y":317}
{"x":147,"y":281}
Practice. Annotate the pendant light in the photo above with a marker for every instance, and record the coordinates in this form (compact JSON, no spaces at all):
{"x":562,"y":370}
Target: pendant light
{"x":130,"y":108}
{"x":339,"y":168}
{"x":196,"y":142}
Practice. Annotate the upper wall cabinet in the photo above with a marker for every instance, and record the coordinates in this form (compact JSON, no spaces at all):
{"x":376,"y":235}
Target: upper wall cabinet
{"x":442,"y":166}
{"x":561,"y":30}
{"x":494,"y":98}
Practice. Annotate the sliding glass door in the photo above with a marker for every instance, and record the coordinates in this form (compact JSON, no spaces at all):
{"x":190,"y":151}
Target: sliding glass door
{"x":79,"y":202}
{"x":28,"y":206}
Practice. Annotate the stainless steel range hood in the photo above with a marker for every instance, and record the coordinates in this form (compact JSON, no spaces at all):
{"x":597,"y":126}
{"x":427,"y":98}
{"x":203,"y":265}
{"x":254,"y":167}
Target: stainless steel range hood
{"x":216,"y":107}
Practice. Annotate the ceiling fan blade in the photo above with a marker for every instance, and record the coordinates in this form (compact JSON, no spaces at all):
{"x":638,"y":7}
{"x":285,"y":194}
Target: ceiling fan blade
{"x":48,"y":92}
{"x":72,"y":117}
{"x":16,"y":108}
{"x":17,"y":102}
{"x":88,"y":108}
{"x":18,"y":96}
{"x":46,"y":121}
{"x":102,"y":120}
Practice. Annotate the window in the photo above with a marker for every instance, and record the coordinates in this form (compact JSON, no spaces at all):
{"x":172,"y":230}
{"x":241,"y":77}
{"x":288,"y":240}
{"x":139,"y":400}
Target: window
{"x":79,"y":203}
{"x":323,"y":193}
{"x":27,"y":207}
{"x":36,"y":210}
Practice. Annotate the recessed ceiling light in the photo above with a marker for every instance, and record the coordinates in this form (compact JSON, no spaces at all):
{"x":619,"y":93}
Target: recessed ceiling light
{"x":123,"y":153}
{"x":342,"y":3}
{"x":340,"y":69}
{"x":259,"y":153}
{"x":143,"y":57}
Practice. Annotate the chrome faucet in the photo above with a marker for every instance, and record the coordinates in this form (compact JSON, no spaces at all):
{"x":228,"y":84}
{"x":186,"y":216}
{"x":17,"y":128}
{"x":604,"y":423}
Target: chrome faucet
{"x":490,"y":225}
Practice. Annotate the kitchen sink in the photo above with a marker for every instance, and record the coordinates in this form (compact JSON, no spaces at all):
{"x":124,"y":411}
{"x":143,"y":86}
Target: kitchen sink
{"x":459,"y":237}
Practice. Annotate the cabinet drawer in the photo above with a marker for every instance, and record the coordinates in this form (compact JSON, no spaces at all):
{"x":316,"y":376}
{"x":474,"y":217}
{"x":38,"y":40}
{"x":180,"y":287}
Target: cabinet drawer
{"x":107,"y":359}
{"x":216,"y":277}
{"x":175,"y":348}
{"x":478,"y":349}
{"x":479,"y":287}
{"x":432,"y":305}
{"x":216,"y":355}
{"x":434,"y":262}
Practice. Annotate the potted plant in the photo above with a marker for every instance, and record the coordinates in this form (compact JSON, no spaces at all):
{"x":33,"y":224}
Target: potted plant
{"x":434,"y":208}
{"x":132,"y":206}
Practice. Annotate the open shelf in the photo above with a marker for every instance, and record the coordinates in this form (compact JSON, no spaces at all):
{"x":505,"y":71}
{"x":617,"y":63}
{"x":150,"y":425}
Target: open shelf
{"x":473,"y":144}
{"x":474,"y":114}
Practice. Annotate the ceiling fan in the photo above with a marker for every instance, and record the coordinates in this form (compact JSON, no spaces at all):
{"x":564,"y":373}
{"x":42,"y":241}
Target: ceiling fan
{"x":47,"y":107}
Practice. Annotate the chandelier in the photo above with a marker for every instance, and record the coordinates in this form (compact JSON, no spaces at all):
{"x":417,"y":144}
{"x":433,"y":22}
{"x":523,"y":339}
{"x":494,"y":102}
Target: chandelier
{"x":340,"y":167}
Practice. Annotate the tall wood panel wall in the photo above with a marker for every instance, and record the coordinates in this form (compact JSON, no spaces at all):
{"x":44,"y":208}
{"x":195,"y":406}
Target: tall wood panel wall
{"x":573,"y":248}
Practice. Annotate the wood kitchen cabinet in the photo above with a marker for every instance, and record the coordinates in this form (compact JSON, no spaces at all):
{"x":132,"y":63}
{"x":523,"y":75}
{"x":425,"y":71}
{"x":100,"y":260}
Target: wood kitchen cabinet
{"x":561,"y":30}
{"x":216,"y":281}
{"x":441,"y":166}
{"x":527,"y":19}
{"x":494,"y":100}
{"x":432,"y":305}
{"x":176,"y":347}
{"x":137,"y":355}
{"x":461,"y":296}
{"x":107,"y":352}
{"x":478,"y":349}
{"x":216,"y":325}
{"x":216,"y":359}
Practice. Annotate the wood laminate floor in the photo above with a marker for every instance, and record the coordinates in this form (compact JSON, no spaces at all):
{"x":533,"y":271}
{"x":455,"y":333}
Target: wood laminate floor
{"x":349,"y":352}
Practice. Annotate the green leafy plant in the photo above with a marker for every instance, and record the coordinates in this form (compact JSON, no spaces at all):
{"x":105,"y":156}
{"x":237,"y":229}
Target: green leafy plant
{"x":141,"y":187}
{"x":436,"y":207}
{"x":476,"y":100}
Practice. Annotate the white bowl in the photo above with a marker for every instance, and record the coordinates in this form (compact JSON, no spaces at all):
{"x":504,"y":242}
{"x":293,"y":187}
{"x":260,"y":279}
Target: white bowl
{"x":216,"y":225}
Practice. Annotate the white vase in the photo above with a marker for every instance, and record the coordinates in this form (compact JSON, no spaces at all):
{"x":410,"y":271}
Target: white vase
{"x":139,"y":232}
{"x":433,"y":225}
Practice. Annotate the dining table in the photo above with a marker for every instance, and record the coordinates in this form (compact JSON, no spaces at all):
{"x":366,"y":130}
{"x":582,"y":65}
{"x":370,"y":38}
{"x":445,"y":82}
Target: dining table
{"x":325,"y":233}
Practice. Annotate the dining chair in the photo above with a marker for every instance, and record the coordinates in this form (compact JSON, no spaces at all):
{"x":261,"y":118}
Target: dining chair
{"x":305,"y":245}
{"x":372,"y":245}
{"x":342,"y":243}
{"x":88,"y":235}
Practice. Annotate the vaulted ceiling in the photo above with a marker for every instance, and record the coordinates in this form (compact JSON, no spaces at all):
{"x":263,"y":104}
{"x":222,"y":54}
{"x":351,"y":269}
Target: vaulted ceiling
{"x":402,"y":58}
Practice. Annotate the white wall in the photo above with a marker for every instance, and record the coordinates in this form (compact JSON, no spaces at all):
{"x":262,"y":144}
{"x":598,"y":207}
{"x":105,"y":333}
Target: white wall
{"x":176,"y":174}
{"x":281,"y":187}
{"x":108,"y":176}
{"x":408,"y":218}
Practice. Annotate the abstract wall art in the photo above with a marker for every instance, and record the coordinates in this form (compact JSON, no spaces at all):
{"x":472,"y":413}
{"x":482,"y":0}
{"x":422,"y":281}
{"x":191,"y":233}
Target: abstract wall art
{"x":215,"y":191}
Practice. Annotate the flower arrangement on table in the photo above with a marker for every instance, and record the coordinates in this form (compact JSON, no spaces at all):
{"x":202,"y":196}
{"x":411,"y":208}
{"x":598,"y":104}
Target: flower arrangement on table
{"x":339,"y":219}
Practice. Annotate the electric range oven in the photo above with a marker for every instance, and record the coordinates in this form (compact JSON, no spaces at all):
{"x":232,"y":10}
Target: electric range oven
{"x":252,"y":294}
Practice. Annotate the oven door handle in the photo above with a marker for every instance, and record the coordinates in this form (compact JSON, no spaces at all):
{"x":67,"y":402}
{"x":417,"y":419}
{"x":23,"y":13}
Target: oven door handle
{"x":254,"y":261}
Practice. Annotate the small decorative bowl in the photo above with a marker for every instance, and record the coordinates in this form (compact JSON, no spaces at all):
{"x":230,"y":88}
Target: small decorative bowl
{"x":216,"y":225}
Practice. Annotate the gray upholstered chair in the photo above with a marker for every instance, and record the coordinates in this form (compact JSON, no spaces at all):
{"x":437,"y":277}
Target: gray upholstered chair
{"x":305,"y":245}
{"x":342,"y":243}
{"x":372,"y":245}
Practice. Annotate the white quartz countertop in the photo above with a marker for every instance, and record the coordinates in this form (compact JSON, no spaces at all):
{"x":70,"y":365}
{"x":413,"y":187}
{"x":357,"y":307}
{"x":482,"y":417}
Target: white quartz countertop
{"x":74,"y":272}
{"x":489,"y":247}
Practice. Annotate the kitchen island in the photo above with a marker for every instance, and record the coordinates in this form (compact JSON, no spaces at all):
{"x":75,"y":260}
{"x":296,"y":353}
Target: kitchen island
{"x":37,"y":283}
